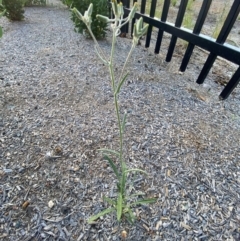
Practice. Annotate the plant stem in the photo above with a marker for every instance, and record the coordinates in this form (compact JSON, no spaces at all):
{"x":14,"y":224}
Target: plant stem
{"x":96,"y":43}
{"x":128,"y":57}
{"x":115,"y":95}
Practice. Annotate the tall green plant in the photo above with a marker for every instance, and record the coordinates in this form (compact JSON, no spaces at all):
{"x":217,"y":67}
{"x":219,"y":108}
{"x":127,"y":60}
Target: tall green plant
{"x":123,"y":203}
{"x":14,"y":9}
{"x":98,"y":27}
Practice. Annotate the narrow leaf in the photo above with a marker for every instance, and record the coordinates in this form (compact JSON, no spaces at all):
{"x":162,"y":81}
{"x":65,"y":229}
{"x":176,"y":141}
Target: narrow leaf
{"x":123,"y":184}
{"x":124,"y":122}
{"x":119,"y":206}
{"x":104,"y":212}
{"x":119,"y":187}
{"x":121,"y":83}
{"x":144,"y":201}
{"x":110,"y":201}
{"x":123,"y":178}
{"x":116,"y":153}
{"x":113,"y":166}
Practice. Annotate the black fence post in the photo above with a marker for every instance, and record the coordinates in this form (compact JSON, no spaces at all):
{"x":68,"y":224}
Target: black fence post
{"x":163,"y":19}
{"x":178,"y":23}
{"x":228,"y":24}
{"x":216,"y":48}
{"x":231,"y":85}
{"x":149,"y":32}
{"x":143,"y":6}
{"x":124,"y":29}
{"x":197,"y":29}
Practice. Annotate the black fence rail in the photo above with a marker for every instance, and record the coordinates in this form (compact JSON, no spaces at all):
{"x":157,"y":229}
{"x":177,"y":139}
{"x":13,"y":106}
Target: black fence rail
{"x":216,"y":47}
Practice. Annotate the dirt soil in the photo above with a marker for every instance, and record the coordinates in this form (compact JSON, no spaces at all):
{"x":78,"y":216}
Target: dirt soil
{"x":56,"y":111}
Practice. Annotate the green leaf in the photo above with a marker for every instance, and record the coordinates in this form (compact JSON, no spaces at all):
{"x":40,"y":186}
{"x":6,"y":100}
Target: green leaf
{"x":110,"y":201}
{"x":124,"y":122}
{"x":119,"y":187}
{"x":144,"y":201}
{"x":123,"y":178}
{"x":1,"y":32}
{"x":116,"y":153}
{"x":104,"y":212}
{"x":119,"y":206}
{"x":120,"y":84}
{"x":113,"y":166}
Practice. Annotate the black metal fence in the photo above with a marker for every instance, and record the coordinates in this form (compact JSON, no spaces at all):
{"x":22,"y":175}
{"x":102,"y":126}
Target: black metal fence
{"x":194,"y":38}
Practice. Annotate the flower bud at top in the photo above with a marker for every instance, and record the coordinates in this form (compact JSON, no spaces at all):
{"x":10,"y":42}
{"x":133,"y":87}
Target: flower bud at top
{"x":78,"y":14}
{"x":102,"y":18}
{"x":139,"y":31}
{"x":133,"y":11}
{"x":90,"y":9}
{"x":120,"y":9}
{"x":144,"y":29}
{"x":139,"y":25}
{"x":115,"y":7}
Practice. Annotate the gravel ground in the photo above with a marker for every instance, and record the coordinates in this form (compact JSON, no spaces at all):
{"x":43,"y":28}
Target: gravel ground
{"x":55,"y":100}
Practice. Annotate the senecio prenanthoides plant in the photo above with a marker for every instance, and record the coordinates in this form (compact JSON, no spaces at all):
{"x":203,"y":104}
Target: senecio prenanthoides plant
{"x":123,"y":204}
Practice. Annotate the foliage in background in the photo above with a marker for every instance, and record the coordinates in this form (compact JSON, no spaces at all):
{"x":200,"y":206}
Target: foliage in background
{"x":99,"y":7}
{"x":174,"y":2}
{"x":67,"y":2}
{"x":189,"y":15}
{"x":221,"y":19}
{"x":2,"y":11}
{"x":35,"y":3}
{"x":125,"y":201}
{"x":14,"y":9}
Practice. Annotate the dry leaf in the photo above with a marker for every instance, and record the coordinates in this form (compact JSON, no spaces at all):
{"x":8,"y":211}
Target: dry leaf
{"x":25,"y":204}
